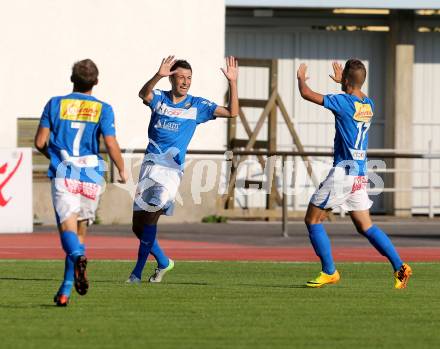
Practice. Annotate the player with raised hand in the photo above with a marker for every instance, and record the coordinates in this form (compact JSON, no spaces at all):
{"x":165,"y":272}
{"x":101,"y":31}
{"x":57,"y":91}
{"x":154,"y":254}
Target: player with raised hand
{"x":174,"y":118}
{"x":346,"y":183}
{"x":68,"y":134}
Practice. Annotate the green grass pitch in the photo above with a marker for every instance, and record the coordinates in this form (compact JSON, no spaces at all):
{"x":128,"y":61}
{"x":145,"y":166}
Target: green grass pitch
{"x":220,"y":305}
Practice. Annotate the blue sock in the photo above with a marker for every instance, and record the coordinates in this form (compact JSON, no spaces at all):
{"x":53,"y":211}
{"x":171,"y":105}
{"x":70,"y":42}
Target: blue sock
{"x":146,"y":242}
{"x":162,"y":260}
{"x":321,"y":244}
{"x":71,"y":244}
{"x":383,"y":244}
{"x":66,"y":285}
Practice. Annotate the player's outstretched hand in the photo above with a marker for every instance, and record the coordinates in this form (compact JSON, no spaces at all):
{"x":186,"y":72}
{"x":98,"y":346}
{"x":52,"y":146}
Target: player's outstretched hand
{"x":301,"y":73}
{"x":231,"y":71}
{"x":165,"y":66}
{"x":123,"y":177}
{"x":337,"y":72}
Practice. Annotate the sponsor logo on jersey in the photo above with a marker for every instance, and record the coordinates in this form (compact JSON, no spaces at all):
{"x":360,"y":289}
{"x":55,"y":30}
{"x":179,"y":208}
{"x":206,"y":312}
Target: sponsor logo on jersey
{"x":190,"y":113}
{"x":88,"y":190}
{"x":363,"y":112}
{"x":359,"y":183}
{"x":80,"y":110}
{"x":358,"y":154}
{"x":208,"y":103}
{"x":79,"y":161}
{"x":167,"y":125}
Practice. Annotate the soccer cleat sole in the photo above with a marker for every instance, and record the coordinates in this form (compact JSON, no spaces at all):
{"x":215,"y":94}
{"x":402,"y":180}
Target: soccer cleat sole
{"x":318,"y":285}
{"x":324,"y":279}
{"x":81,"y":283}
{"x":61,"y":300}
{"x":404,"y":281}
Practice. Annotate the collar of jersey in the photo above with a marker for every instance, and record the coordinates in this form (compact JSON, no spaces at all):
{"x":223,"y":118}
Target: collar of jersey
{"x":170,"y":99}
{"x":362,"y":100}
{"x":82,"y":95}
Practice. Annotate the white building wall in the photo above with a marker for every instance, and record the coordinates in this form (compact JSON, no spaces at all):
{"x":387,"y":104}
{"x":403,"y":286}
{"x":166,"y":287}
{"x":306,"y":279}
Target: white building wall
{"x":426,"y":118}
{"x":41,"y":39}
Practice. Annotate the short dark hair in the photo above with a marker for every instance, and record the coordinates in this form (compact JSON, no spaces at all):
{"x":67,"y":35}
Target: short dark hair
{"x":84,"y":75}
{"x":355,"y":72}
{"x":181,"y":63}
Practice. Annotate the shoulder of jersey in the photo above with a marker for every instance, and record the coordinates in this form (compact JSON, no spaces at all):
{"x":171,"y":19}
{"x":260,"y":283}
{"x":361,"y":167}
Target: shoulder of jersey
{"x":104,"y":104}
{"x":341,"y":95}
{"x":346,"y":96}
{"x":56,"y":98}
{"x":201,"y":100}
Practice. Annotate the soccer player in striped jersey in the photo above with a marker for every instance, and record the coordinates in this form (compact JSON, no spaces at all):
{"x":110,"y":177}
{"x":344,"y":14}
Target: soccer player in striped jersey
{"x":346,"y":183}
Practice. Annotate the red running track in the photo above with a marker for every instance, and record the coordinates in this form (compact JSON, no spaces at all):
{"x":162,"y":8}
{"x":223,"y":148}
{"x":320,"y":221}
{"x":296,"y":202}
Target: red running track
{"x":47,"y":246}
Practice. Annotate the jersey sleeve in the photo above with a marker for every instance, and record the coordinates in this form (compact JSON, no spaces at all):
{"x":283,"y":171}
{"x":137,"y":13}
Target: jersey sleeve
{"x":205,"y":110}
{"x":45,"y":116}
{"x":158,"y":96}
{"x":107,"y":121}
{"x":335,"y":103}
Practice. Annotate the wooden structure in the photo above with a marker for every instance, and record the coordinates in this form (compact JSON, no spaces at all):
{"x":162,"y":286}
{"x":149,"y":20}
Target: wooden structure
{"x":269,"y":114}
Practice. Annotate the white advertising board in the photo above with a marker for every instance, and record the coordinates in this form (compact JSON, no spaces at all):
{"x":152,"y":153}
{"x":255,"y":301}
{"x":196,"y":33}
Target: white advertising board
{"x":16,"y":190}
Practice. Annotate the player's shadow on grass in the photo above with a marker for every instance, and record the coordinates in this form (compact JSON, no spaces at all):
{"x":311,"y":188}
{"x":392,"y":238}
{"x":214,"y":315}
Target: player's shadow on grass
{"x":5,"y":278}
{"x":287,"y":286}
{"x":234,"y":284}
{"x":188,"y":283}
{"x":28,"y":306}
{"x":18,"y":306}
{"x":49,"y":306}
{"x":115,"y":282}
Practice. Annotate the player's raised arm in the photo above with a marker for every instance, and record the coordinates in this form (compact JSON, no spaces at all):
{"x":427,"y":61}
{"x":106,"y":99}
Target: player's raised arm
{"x":306,"y":92}
{"x":146,"y":92}
{"x":231,"y":73}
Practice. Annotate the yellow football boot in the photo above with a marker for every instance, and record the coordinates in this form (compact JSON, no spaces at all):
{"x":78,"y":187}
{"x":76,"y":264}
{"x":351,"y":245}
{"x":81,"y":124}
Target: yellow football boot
{"x":324,"y":279}
{"x":402,"y":276}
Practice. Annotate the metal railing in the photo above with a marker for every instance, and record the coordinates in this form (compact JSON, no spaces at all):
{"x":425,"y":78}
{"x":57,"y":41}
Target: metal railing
{"x":372,"y":154}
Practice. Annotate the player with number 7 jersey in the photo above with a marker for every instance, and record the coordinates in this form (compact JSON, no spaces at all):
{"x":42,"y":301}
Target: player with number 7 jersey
{"x":77,"y":120}
{"x":69,"y":134}
{"x":346,"y":184}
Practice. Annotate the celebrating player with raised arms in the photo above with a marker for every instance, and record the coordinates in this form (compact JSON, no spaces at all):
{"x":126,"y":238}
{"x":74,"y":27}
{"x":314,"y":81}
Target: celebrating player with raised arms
{"x":346,"y":183}
{"x":174,"y":118}
{"x":68,"y":134}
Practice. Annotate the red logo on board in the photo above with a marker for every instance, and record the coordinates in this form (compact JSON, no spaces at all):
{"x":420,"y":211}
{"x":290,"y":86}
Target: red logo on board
{"x":3,"y":169}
